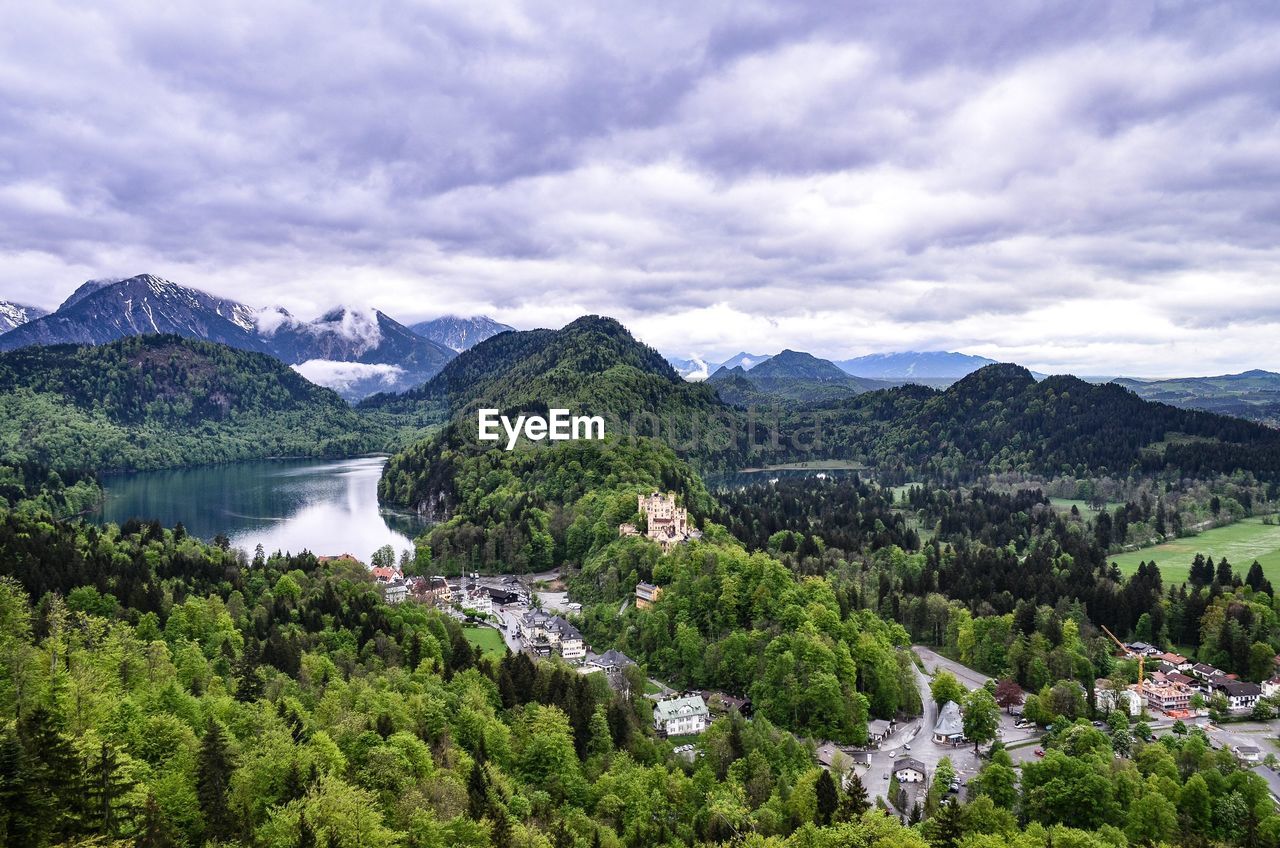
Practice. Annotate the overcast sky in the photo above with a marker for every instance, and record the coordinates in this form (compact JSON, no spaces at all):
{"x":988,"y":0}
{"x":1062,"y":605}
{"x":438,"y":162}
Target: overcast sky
{"x":1086,"y":187}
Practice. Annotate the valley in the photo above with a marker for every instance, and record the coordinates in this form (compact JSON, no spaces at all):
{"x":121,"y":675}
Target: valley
{"x":824,"y":554}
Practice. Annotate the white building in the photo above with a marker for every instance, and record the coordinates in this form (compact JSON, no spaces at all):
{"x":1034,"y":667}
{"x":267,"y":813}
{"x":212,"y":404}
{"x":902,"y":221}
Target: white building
{"x":909,"y":770}
{"x":950,"y":727}
{"x":477,"y":601}
{"x":1241,"y":695}
{"x":681,"y":716}
{"x":395,"y":591}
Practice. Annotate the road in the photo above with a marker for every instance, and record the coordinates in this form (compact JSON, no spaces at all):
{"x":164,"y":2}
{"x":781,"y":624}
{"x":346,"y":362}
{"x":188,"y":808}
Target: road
{"x":918,"y":733}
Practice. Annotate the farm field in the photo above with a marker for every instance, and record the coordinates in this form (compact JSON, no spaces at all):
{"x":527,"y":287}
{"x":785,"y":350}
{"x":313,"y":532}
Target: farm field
{"x":486,"y":639}
{"x":1241,"y":543}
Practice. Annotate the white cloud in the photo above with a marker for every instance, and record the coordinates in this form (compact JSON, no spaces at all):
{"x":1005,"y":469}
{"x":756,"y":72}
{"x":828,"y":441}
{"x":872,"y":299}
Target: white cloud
{"x":344,"y":376}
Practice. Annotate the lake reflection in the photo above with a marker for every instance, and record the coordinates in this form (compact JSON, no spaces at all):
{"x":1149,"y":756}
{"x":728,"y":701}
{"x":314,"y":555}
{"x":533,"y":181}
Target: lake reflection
{"x":327,"y":507}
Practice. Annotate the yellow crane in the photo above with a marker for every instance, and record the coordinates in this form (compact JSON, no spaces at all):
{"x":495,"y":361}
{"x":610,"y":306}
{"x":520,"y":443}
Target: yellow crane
{"x":1141,"y":658}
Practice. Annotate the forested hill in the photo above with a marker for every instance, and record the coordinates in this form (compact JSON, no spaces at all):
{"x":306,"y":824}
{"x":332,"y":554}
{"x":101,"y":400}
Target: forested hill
{"x":1000,"y":418}
{"x":159,"y":401}
{"x":592,"y":365}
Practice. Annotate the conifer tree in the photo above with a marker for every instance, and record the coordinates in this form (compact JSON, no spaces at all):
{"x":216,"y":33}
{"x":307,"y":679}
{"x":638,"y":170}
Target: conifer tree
{"x":214,"y":782}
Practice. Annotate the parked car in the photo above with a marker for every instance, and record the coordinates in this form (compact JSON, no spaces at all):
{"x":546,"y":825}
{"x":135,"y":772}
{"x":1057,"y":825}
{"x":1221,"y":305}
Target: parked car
{"x":1039,"y":752}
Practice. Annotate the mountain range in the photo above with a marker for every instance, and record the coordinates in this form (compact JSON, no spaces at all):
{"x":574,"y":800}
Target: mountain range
{"x":1253,"y":395}
{"x":356,"y":352}
{"x":915,"y":364}
{"x":936,"y":368}
{"x":789,"y":376}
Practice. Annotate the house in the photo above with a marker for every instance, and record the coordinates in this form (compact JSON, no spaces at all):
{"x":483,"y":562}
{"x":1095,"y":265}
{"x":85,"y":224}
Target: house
{"x":681,"y":716}
{"x":1142,"y":649}
{"x":878,"y":729}
{"x":612,"y":661}
{"x":1107,"y":699}
{"x":545,"y":634}
{"x":909,"y":770}
{"x":647,"y":595}
{"x":502,"y":597}
{"x":1270,"y":688}
{"x":1240,"y":694}
{"x":1178,"y":661}
{"x":1250,"y":754}
{"x":568,"y":640}
{"x":431,"y":590}
{"x":1206,"y":674}
{"x":395,"y":591}
{"x":386,"y":573}
{"x":478,"y":602}
{"x":949,"y":729}
{"x":723,"y":703}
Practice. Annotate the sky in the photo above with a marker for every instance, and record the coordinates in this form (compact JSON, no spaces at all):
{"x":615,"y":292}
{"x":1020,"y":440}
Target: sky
{"x":1079,"y":186}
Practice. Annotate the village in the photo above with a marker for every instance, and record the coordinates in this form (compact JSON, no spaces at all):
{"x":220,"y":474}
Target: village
{"x":901,"y":756}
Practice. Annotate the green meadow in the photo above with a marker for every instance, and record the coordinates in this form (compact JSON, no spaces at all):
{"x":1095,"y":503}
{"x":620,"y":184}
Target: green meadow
{"x":486,"y":639}
{"x":1241,"y":543}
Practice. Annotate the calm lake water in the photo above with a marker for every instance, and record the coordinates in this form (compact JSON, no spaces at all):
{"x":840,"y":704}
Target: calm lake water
{"x":324,"y":506}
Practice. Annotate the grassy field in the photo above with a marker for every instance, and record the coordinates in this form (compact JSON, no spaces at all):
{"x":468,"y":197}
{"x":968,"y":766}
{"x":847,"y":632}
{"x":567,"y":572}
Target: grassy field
{"x":1088,"y":512}
{"x":1241,"y":543}
{"x":486,"y":639}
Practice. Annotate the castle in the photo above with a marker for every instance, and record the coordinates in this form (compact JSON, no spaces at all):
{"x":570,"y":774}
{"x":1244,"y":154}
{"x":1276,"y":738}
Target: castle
{"x":668,"y":524}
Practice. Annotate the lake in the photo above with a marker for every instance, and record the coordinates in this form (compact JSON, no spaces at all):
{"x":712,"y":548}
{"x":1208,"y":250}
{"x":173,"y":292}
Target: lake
{"x":325,"y":506}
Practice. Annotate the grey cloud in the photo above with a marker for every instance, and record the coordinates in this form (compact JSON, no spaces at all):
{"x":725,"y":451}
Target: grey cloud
{"x":910,"y":163}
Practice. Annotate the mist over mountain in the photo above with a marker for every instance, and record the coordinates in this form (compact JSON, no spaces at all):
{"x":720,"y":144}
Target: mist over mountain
{"x":355,"y":351}
{"x":458,"y":333}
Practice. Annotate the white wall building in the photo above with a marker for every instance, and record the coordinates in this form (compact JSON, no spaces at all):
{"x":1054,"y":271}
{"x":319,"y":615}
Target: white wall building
{"x":681,"y":716}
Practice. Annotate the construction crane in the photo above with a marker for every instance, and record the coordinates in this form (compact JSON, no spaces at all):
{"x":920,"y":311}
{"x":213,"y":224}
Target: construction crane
{"x":1141,"y":658}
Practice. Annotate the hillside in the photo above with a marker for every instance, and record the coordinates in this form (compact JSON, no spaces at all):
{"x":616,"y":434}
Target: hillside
{"x":1252,"y":395}
{"x":591,"y":366}
{"x":1000,"y":418}
{"x":160,"y":401}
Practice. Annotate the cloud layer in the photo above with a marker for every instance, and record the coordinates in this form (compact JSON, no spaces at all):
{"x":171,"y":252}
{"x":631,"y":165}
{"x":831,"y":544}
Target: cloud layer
{"x":1076,"y":186}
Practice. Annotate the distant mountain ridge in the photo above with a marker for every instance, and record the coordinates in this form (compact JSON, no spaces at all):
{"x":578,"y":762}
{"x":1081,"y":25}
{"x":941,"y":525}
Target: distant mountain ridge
{"x":904,"y":365}
{"x":790,"y":375}
{"x":354,"y":351}
{"x":14,"y":315}
{"x":323,"y":350}
{"x":103,"y":311}
{"x":458,"y":333}
{"x":1253,"y":395}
